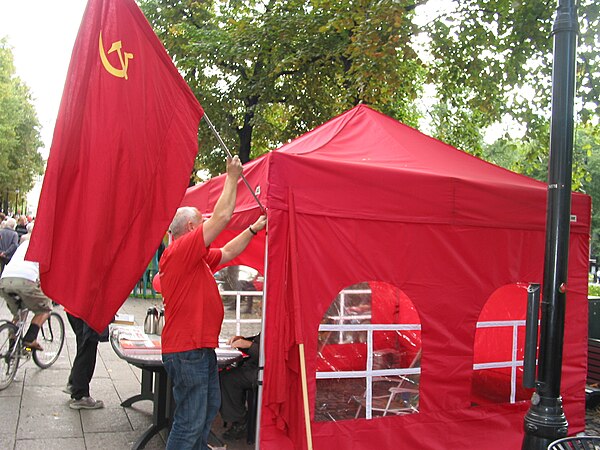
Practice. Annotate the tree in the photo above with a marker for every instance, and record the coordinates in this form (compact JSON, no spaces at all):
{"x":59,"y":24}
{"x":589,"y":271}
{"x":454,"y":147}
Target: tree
{"x":266,"y":71}
{"x":492,"y":59}
{"x":587,"y":140}
{"x":20,"y":161}
{"x":515,"y":155}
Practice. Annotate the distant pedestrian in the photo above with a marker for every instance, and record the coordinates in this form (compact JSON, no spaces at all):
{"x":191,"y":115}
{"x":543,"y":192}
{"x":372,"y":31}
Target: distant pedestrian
{"x":29,"y":231}
{"x":21,"y":227}
{"x":9,"y":241}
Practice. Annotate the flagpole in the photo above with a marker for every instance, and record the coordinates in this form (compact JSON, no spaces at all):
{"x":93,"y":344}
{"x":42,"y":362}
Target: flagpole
{"x":215,"y":132}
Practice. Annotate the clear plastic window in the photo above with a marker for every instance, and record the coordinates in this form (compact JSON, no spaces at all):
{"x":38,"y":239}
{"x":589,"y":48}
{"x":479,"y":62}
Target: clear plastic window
{"x":368,"y":354}
{"x":241,"y":289}
{"x":499,"y":348}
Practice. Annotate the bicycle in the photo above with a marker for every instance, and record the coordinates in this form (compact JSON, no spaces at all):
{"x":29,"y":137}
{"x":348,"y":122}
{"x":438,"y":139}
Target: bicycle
{"x":14,"y":353}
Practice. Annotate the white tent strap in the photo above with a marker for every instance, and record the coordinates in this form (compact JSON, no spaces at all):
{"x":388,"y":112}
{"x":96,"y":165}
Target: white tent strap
{"x":369,"y":327}
{"x":365,"y":373}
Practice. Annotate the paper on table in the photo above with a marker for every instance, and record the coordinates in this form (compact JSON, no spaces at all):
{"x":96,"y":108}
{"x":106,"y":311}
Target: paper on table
{"x":124,"y":319}
{"x":133,"y":334}
{"x":229,"y":351}
{"x":143,"y":346}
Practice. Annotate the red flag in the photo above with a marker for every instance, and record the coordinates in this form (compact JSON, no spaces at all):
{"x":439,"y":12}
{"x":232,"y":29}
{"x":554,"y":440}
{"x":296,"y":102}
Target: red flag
{"x":121,"y":158}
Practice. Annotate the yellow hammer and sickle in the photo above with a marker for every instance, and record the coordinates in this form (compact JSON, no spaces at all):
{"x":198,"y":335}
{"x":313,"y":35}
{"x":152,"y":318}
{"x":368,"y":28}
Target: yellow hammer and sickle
{"x":124,"y":58}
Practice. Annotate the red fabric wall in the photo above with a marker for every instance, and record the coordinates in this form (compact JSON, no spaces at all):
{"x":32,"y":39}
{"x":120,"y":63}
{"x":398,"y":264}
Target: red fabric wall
{"x":449,"y":270}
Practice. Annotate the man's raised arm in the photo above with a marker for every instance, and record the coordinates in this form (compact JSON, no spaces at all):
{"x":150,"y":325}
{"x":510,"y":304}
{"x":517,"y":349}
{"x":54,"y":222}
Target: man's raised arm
{"x":239,"y":243}
{"x":225,"y":205}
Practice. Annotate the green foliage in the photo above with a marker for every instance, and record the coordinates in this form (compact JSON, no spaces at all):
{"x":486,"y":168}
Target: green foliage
{"x":268,"y":71}
{"x":492,"y":59}
{"x":594,"y":290}
{"x":588,"y":140}
{"x":531,"y":158}
{"x":19,"y":130}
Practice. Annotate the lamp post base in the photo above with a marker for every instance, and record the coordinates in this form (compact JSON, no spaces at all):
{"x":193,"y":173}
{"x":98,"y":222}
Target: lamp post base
{"x":544,"y":423}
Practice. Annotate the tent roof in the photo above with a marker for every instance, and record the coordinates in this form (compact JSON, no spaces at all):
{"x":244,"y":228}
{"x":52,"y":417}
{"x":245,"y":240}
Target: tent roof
{"x":365,"y":136}
{"x":366,"y":164}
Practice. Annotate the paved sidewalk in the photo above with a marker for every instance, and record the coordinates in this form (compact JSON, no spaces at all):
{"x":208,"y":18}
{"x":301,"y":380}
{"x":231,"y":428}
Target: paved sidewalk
{"x":34,"y":412}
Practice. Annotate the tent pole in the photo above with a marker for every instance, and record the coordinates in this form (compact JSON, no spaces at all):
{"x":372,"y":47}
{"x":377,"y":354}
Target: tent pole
{"x":298,"y":334}
{"x":305,"y":396}
{"x":224,"y":147}
{"x":546,"y":421}
{"x":261,"y":352}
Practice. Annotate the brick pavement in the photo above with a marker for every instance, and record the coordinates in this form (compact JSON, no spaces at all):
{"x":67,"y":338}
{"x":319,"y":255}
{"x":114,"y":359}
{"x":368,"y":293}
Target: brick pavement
{"x":34,"y":412}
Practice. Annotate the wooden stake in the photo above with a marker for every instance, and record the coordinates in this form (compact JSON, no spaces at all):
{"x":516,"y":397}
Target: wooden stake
{"x":305,"y":397}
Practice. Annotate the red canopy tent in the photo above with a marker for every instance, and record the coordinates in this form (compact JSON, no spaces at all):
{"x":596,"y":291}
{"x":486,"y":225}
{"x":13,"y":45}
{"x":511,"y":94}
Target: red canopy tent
{"x":366,"y":198}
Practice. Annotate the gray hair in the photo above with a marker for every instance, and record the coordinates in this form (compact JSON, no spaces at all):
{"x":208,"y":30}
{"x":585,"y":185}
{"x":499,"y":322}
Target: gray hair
{"x":10,"y":223}
{"x":184,"y":215}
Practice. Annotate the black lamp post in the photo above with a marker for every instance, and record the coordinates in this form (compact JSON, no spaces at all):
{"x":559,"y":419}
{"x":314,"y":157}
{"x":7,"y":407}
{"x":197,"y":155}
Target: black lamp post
{"x":545,"y":421}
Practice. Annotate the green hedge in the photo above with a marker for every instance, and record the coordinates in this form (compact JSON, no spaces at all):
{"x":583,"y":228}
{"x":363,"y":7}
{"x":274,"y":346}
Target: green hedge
{"x":594,"y":289}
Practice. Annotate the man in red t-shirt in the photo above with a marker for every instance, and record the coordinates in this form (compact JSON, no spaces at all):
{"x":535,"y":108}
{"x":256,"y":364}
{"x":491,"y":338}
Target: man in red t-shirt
{"x":194,"y":312}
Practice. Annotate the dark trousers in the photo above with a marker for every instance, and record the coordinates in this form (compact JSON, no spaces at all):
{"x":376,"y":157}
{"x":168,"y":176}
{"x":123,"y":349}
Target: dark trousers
{"x":85,"y":360}
{"x":234,"y":384}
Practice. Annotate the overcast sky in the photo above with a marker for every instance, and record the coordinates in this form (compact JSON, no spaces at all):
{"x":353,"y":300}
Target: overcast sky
{"x":42,"y":34}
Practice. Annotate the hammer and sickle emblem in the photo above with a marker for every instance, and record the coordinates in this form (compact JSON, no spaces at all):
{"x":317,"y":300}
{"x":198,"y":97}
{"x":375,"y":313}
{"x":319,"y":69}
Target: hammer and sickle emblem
{"x":124,"y":58}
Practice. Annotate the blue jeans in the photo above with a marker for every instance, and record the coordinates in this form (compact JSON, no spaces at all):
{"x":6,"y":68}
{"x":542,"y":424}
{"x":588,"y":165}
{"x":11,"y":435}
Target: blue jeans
{"x":195,"y":378}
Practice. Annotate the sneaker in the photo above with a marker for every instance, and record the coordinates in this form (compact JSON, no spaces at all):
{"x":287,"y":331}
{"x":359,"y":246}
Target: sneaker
{"x":68,"y":389}
{"x":86,"y":403}
{"x":237,"y":431}
{"x":34,"y":345}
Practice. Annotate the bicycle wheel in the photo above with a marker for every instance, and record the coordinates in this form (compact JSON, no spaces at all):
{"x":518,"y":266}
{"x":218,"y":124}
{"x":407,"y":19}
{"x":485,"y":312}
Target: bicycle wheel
{"x":52,"y":339}
{"x":9,"y":356}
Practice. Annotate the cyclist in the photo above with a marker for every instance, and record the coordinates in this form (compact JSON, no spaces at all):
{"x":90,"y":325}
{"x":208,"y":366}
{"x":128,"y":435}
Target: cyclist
{"x":22,"y":277}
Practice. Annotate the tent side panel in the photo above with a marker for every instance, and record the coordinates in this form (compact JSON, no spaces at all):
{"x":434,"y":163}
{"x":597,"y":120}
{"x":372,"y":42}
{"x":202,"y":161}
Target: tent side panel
{"x":447,"y":270}
{"x":469,"y":429}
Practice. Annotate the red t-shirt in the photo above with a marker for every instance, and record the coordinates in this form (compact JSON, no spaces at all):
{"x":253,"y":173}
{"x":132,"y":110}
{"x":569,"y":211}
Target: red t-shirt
{"x":193,"y":306}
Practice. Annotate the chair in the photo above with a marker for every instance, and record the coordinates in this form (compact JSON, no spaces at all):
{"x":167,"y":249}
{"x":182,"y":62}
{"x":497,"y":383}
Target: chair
{"x":576,"y":443}
{"x":252,"y":401}
{"x":399,"y":399}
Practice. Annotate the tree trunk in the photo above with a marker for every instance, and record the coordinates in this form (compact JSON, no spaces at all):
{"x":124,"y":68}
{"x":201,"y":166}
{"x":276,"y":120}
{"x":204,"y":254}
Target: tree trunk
{"x":245,"y":132}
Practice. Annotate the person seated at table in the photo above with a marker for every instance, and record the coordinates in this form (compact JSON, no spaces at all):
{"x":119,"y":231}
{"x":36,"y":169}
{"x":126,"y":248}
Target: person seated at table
{"x":235,"y":382}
